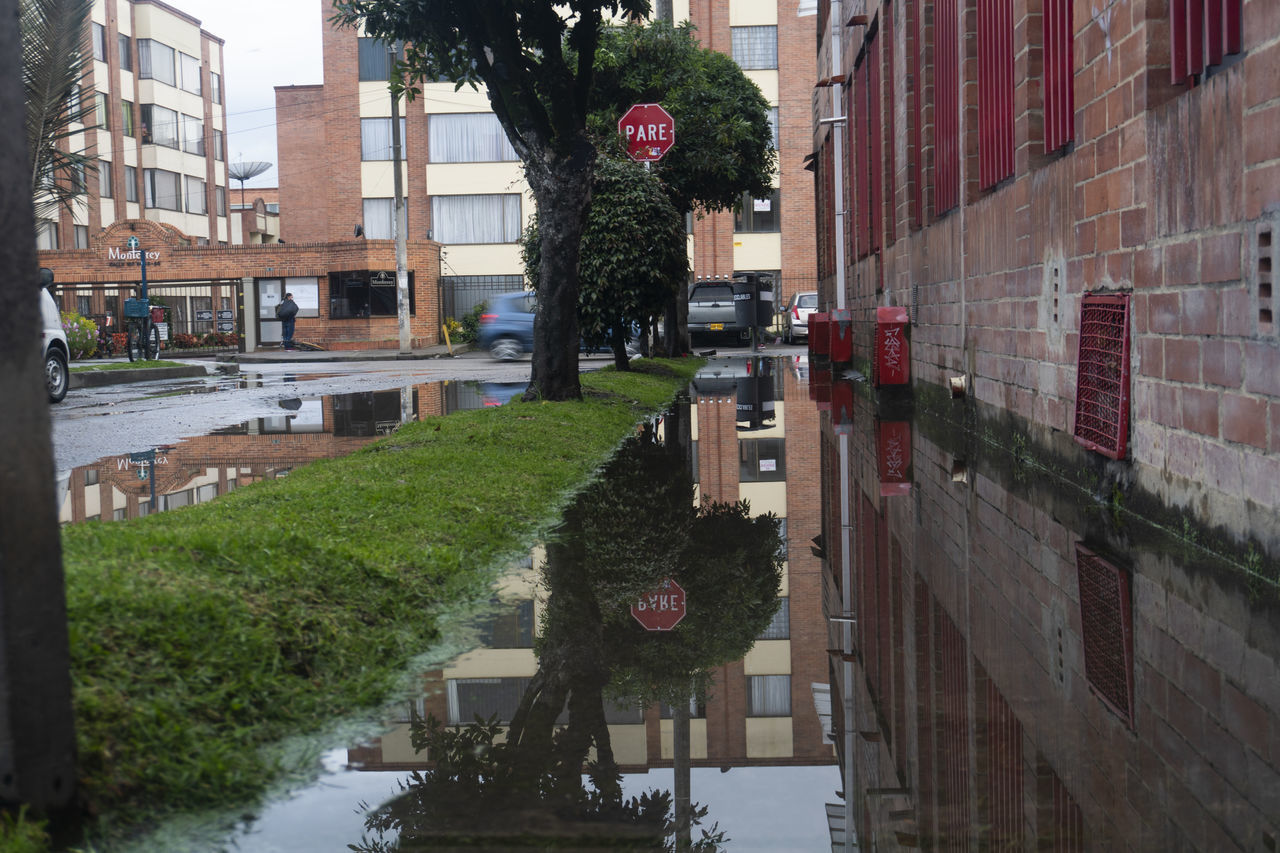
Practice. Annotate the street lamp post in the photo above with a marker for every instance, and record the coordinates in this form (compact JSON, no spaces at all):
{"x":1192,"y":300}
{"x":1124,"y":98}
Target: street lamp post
{"x":400,"y":226}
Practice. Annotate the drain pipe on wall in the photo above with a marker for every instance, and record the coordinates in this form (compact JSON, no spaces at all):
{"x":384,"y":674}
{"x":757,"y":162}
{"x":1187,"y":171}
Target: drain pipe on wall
{"x":838,"y":123}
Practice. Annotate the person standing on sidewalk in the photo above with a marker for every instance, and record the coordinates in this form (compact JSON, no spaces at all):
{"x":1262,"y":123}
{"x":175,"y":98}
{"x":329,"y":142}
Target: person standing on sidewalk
{"x":287,"y":311}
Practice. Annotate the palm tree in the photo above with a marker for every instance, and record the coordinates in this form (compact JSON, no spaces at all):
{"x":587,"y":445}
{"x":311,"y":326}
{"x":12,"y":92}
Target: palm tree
{"x":54,"y":60}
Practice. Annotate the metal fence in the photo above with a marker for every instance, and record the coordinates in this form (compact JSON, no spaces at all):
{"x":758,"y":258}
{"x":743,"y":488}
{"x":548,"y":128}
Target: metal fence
{"x":196,"y":308}
{"x":460,"y":294}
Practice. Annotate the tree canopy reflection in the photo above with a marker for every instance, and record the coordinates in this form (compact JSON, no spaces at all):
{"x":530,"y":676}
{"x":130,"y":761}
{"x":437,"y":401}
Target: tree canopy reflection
{"x":634,"y":526}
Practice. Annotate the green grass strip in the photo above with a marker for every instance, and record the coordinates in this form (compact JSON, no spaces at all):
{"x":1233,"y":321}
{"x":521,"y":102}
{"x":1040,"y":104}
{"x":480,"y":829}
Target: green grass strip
{"x":202,"y":635}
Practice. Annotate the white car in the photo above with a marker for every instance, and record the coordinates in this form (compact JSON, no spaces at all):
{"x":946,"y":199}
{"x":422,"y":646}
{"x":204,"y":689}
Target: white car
{"x":57,"y":355}
{"x":796,"y":323}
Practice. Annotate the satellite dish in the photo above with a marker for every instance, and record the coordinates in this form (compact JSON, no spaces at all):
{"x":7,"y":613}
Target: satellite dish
{"x":244,"y":171}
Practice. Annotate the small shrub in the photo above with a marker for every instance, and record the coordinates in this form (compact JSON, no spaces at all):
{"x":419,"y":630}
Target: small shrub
{"x":471,"y":324}
{"x":82,"y":334}
{"x":182,"y":340}
{"x":119,"y":340}
{"x":221,"y":339}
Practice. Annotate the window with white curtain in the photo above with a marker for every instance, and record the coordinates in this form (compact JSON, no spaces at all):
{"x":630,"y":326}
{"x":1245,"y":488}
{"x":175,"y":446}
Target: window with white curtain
{"x":373,"y":59}
{"x":189,"y":66}
{"x":46,"y":234}
{"x":99,"y":42}
{"x":773,"y":126}
{"x":220,"y":200}
{"x":192,"y":135}
{"x":468,"y":138}
{"x":131,"y":183}
{"x":162,"y":189}
{"x":155,"y":61}
{"x":81,"y":233}
{"x":375,"y":139}
{"x":215,"y":87}
{"x":476,"y":218}
{"x":768,"y":696}
{"x":378,"y":216}
{"x":104,"y":178}
{"x":159,"y":126}
{"x":195,"y":196}
{"x":755,"y":48}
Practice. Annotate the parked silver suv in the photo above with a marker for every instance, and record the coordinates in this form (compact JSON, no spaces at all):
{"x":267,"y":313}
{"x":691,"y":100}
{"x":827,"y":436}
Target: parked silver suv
{"x":57,"y":355}
{"x":712,"y":312}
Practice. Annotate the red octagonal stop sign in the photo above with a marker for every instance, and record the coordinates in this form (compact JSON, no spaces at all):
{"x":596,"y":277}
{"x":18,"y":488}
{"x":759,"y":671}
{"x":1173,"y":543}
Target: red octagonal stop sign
{"x":650,"y":131}
{"x":662,"y":609}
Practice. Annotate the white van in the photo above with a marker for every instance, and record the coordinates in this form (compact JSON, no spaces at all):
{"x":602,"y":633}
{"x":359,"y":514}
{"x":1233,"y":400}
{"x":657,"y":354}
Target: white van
{"x":57,"y":355}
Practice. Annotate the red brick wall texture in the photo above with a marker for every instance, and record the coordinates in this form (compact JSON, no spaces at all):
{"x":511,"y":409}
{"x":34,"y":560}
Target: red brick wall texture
{"x":1170,"y":194}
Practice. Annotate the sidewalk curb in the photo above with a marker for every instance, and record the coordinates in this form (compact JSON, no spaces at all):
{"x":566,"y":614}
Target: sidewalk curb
{"x":312,"y":356}
{"x":100,"y":378}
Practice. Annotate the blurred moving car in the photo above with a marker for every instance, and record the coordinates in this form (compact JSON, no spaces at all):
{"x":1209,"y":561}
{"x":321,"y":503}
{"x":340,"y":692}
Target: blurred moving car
{"x":796,"y":324}
{"x":57,"y":355}
{"x":506,"y":327}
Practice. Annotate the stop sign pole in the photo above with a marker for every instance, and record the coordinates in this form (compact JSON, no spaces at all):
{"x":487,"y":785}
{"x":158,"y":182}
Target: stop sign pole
{"x":649,"y":130}
{"x":660,"y":609}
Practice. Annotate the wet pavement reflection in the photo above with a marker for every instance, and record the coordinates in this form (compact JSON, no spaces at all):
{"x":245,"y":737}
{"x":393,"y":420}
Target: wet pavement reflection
{"x":971,"y":644}
{"x":199,"y":469}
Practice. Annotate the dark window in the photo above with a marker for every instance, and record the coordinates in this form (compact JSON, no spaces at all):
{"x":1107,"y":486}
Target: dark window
{"x":759,"y":215}
{"x":125,"y":46}
{"x":510,"y":629}
{"x":780,"y":626}
{"x":365,"y":294}
{"x":366,"y":414}
{"x":762,"y":460}
{"x":470,"y":698}
{"x":374,"y":59}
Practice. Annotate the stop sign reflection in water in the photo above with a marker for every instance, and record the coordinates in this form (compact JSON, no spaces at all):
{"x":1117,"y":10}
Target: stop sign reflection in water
{"x":661,"y":609}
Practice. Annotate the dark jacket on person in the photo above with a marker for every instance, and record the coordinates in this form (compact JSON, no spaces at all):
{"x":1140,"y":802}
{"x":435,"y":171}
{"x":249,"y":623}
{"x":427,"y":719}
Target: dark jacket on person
{"x":286,"y":310}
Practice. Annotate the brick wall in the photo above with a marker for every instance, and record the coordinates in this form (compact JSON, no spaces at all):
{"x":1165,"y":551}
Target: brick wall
{"x":1168,"y":194}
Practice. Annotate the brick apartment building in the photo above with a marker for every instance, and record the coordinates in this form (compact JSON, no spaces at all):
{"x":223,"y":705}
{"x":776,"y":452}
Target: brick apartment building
{"x":1011,"y":172}
{"x":464,"y":185}
{"x":158,"y":127}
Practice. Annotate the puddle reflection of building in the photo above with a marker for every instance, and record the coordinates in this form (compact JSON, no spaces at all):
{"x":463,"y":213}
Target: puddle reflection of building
{"x":754,"y":437}
{"x":199,"y":469}
{"x":1023,"y":672}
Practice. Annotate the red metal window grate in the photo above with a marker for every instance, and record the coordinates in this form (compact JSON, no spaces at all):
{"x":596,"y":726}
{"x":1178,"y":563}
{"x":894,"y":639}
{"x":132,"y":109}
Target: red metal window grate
{"x":1059,"y":75}
{"x":1004,"y":824}
{"x":1102,"y":375}
{"x":1201,"y":33}
{"x":946,"y":69}
{"x":1106,"y":623}
{"x":995,"y":92}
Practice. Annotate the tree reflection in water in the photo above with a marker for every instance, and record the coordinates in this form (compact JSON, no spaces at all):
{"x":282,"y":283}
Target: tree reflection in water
{"x":633,"y":527}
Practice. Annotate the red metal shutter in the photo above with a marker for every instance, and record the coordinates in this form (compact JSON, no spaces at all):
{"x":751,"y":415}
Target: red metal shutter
{"x":915,"y":154}
{"x":1201,"y":33}
{"x":995,"y":92}
{"x":1059,"y":75}
{"x":946,"y":75}
{"x":1102,"y":375}
{"x":875,"y":138}
{"x":890,"y":137}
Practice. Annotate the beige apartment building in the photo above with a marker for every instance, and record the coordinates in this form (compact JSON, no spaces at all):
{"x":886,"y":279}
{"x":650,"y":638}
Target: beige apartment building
{"x":464,"y":185}
{"x":158,"y":128}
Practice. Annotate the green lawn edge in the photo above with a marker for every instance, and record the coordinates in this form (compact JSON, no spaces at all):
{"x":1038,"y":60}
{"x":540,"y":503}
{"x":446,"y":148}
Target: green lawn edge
{"x":202,"y":636}
{"x":123,"y":365}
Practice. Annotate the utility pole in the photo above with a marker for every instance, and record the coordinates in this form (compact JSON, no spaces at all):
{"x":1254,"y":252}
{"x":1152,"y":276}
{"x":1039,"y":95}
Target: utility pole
{"x":401,"y":224}
{"x":37,"y":728}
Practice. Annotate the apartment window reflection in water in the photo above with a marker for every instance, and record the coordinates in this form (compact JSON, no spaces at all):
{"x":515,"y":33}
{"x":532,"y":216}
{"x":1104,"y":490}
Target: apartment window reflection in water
{"x":762,"y":460}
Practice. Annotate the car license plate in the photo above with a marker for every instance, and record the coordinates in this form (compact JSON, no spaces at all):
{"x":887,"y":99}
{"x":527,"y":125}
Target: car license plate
{"x":716,"y":327}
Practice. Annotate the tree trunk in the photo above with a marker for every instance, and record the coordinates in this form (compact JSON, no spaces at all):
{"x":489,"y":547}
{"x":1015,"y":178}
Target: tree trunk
{"x":562,"y":188}
{"x":619,"y":346}
{"x":37,"y":733}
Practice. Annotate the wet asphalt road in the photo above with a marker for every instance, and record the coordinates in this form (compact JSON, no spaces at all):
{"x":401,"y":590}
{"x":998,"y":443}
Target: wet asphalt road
{"x":95,"y":422}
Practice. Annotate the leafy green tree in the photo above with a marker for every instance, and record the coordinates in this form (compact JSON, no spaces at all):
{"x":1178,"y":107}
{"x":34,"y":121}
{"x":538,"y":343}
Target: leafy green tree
{"x":54,"y":35}
{"x":724,"y":143}
{"x":537,"y":61}
{"x":633,"y":254}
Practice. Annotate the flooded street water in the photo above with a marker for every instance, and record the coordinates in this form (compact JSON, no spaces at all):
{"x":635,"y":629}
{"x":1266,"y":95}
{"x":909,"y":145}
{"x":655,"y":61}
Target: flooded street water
{"x":922,"y":631}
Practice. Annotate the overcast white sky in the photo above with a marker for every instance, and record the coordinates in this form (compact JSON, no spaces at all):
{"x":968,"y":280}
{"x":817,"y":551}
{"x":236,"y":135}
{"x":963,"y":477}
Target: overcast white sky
{"x":268,"y":43}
